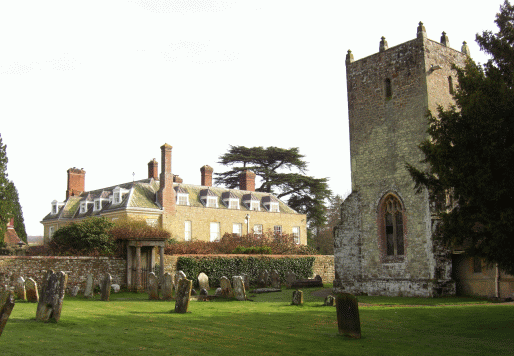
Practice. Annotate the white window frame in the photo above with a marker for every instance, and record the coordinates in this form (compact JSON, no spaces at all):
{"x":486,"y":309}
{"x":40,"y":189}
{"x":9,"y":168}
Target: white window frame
{"x":151,"y":222}
{"x":233,"y":204}
{"x":255,"y":205}
{"x":272,"y":207}
{"x":214,"y":231}
{"x":51,"y":231}
{"x":188,"y":228}
{"x":237,"y":229}
{"x":277,"y":229}
{"x":296,"y":234}
{"x":55,"y":207}
{"x":257,"y":229}
{"x":211,"y":202}
{"x":83,"y":207}
{"x":182,"y":199}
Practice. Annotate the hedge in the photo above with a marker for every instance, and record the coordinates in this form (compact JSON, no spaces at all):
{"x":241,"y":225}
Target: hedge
{"x":217,"y":267}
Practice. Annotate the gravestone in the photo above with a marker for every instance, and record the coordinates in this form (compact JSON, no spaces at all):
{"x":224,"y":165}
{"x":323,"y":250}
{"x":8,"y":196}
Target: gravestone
{"x":239,"y":288}
{"x":115,"y":288}
{"x":265,"y":278}
{"x":74,"y":291}
{"x":226,"y":288}
{"x":330,"y":301}
{"x":204,"y":291}
{"x":153,"y":286}
{"x":290,"y":278}
{"x":203,"y":281}
{"x":348,"y":321}
{"x":19,"y":289}
{"x":297,"y":297}
{"x":218,"y":292}
{"x":52,"y":295}
{"x":167,"y":287}
{"x":178,"y":276}
{"x":105,"y":287}
{"x":183,"y":295}
{"x":275,"y":279}
{"x":89,"y":290}
{"x":31,"y":290}
{"x":6,"y":307}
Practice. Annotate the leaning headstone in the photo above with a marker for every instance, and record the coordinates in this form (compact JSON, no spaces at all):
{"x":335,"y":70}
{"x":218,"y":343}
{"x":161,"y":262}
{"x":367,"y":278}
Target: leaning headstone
{"x":105,"y":287}
{"x":74,"y":291}
{"x":203,"y":281}
{"x":178,"y":276}
{"x":239,"y":288}
{"x":183,"y":295}
{"x":167,"y":287}
{"x":153,"y":286}
{"x":89,"y":290}
{"x":115,"y":288}
{"x":330,"y":301}
{"x":275,"y":279}
{"x":6,"y":306}
{"x":348,"y":321}
{"x":297,"y":297}
{"x":19,"y":288}
{"x":290,"y":278}
{"x":31,"y":290}
{"x":52,"y":295}
{"x":226,"y":288}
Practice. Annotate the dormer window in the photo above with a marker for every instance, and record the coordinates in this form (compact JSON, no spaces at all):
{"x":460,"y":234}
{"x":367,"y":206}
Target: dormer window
{"x":182,"y":196}
{"x":83,"y":207}
{"x":56,"y":206}
{"x":117,"y":195}
{"x":209,"y":198}
{"x":251,"y":202}
{"x":230,"y":200}
{"x":271,"y":204}
{"x":98,"y":204}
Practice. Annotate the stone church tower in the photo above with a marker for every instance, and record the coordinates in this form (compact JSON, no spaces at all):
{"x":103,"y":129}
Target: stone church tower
{"x":384,"y":245}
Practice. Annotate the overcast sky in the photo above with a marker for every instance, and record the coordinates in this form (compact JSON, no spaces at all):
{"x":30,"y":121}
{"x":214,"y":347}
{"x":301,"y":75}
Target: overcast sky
{"x":101,"y":85}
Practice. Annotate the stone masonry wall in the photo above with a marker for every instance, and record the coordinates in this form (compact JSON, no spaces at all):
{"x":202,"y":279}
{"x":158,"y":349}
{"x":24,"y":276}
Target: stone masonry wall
{"x":77,"y":268}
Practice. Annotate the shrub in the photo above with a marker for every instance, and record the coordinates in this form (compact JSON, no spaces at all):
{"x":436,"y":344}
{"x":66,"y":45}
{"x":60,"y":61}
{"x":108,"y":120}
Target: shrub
{"x":136,"y":229}
{"x":282,"y":244}
{"x":217,"y":267}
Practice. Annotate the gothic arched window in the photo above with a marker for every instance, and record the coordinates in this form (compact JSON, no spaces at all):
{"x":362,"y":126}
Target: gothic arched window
{"x":391,"y":225}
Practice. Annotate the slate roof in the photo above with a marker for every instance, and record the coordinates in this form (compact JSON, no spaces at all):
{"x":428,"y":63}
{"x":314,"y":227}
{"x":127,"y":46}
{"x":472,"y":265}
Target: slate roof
{"x":142,"y":194}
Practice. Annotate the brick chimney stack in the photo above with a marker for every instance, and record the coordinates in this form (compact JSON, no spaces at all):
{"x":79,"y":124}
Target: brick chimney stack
{"x":247,"y":180}
{"x":76,"y":182}
{"x":206,"y":175}
{"x":166,"y":193}
{"x":153,"y":169}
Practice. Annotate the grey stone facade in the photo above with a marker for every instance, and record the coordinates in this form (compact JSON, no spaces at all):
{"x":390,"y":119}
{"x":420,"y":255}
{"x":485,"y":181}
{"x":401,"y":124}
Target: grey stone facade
{"x":389,"y":94}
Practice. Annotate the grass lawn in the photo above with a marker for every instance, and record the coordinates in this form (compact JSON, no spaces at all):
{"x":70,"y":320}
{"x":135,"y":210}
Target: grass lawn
{"x":268,"y":325}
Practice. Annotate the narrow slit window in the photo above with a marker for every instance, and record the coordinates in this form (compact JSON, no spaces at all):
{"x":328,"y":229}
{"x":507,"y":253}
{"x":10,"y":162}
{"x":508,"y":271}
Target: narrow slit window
{"x":450,"y":85}
{"x":388,"y":89}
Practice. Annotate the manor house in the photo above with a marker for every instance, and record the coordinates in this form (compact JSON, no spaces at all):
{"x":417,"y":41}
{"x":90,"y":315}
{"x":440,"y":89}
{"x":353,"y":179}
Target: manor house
{"x":187,"y":211}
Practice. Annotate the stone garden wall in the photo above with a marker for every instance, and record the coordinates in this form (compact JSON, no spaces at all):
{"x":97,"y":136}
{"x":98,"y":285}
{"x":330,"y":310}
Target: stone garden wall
{"x":77,"y":268}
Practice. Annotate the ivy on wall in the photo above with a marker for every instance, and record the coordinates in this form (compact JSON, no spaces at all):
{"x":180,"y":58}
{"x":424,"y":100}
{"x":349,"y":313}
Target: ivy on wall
{"x":217,"y":267}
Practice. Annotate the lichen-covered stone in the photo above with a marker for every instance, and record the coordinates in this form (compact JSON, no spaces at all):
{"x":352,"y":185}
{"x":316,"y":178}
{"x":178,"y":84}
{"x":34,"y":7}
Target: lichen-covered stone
{"x":297,"y":297}
{"x":239,"y":288}
{"x":31,"y":290}
{"x":52,"y":295}
{"x":6,"y":307}
{"x":153,"y":286}
{"x":183,"y":295}
{"x":167,"y":287}
{"x":348,"y":320}
{"x":226,"y":288}
{"x":105,"y":287}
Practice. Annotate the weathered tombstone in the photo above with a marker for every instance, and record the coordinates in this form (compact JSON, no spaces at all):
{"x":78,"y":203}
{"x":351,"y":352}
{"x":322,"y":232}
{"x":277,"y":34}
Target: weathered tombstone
{"x":89,"y":290}
{"x":153,"y":286}
{"x":167,"y":287}
{"x":183,"y":295}
{"x":74,"y":291}
{"x":115,"y":288}
{"x":52,"y":295}
{"x":290,"y":278}
{"x":330,"y":301}
{"x":105,"y":287}
{"x":275,"y":279}
{"x":31,"y":290}
{"x":19,"y":289}
{"x":218,"y":292}
{"x":265,"y":277}
{"x":203,"y":281}
{"x":226,"y":288}
{"x":239,"y":288}
{"x":178,"y":276}
{"x":297,"y":297}
{"x":348,"y":321}
{"x":246,"y":281}
{"x":193,"y":291}
{"x":6,"y":306}
{"x":204,"y":291}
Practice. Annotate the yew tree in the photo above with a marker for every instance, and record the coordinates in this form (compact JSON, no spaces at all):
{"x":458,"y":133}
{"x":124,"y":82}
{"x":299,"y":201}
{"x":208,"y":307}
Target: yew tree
{"x":470,"y":153}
